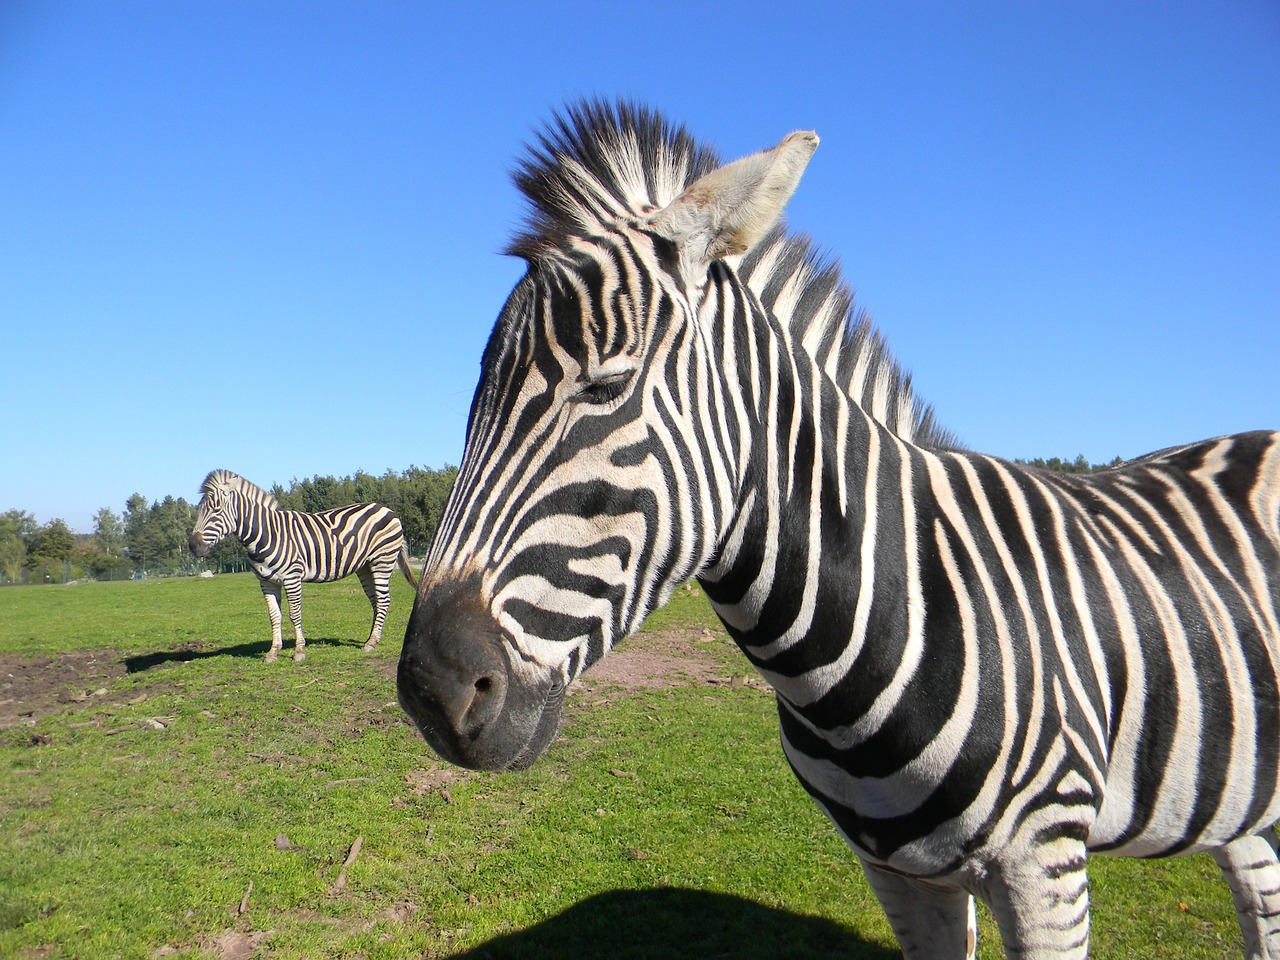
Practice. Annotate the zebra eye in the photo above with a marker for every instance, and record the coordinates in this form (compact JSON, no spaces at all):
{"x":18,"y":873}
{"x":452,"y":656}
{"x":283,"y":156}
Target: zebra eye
{"x":605,"y":390}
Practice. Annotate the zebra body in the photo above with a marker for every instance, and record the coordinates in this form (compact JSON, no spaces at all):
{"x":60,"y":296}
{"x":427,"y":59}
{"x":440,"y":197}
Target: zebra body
{"x":983,"y":671}
{"x":287,"y":548}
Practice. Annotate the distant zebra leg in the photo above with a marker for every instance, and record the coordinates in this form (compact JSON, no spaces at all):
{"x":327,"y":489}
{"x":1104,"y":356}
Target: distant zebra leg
{"x":293,"y":594}
{"x":1040,"y":898}
{"x":271,"y":593}
{"x":932,"y":921}
{"x":1253,"y":873}
{"x":377,"y":587}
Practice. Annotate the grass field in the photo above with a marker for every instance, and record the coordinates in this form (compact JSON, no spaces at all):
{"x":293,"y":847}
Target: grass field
{"x":165,"y":793}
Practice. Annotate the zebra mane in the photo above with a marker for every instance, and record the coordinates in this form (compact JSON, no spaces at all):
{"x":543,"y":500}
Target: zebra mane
{"x":226,"y":480}
{"x":599,"y":163}
{"x":807,"y":293}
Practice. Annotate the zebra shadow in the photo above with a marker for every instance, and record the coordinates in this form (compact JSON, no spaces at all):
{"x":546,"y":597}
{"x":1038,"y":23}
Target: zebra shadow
{"x":257,"y":649}
{"x":669,"y":922}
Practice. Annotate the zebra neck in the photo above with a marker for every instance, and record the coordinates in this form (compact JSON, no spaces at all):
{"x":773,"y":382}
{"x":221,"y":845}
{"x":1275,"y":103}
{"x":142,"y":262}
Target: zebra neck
{"x":254,"y":527}
{"x":818,"y":518}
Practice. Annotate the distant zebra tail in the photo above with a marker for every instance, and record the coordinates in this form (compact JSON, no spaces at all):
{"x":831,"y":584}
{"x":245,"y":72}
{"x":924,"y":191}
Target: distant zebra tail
{"x":405,"y":567}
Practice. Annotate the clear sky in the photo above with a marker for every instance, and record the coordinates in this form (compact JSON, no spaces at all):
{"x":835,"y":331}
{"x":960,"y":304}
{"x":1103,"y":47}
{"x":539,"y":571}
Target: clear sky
{"x":264,"y":235}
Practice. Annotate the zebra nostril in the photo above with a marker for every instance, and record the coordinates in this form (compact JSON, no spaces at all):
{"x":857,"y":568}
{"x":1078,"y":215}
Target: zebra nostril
{"x":483,"y":685}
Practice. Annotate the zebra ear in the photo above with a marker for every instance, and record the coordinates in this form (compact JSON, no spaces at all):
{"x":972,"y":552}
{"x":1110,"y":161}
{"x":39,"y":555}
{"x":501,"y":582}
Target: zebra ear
{"x":730,"y":209}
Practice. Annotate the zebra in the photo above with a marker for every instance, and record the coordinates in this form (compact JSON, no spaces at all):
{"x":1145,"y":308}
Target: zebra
{"x":289,"y":547}
{"x":983,"y":671}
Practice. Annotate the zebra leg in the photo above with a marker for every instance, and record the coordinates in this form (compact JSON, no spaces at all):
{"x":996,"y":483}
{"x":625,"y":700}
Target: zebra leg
{"x":293,"y":593}
{"x":932,"y":921}
{"x":377,"y":587}
{"x":1040,"y":899}
{"x":271,"y":593}
{"x":1253,"y":873}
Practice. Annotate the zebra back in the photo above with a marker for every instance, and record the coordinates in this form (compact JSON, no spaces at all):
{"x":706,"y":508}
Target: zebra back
{"x":332,"y":544}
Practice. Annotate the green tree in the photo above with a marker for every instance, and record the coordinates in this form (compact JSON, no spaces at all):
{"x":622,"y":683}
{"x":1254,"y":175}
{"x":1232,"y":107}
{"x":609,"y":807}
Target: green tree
{"x":15,"y":526}
{"x":50,"y":548}
{"x":322,"y":493}
{"x":366,"y":488}
{"x":316,"y":494}
{"x":1078,"y":465}
{"x":137,"y":516}
{"x":229,"y":555}
{"x":287,"y":499}
{"x":106,"y":566}
{"x":108,"y":530}
{"x":158,"y":533}
{"x":52,"y":542}
{"x":21,"y":522}
{"x":171,"y":523}
{"x":420,"y":502}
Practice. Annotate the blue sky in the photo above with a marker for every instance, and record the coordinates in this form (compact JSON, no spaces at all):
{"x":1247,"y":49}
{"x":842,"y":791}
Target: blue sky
{"x":264,"y":236}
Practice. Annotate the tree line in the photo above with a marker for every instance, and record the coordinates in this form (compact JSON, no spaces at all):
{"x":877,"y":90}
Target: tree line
{"x":1078,"y":465}
{"x":151,"y":537}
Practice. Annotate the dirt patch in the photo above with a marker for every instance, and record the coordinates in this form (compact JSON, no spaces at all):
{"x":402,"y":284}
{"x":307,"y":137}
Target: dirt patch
{"x":235,"y":944}
{"x":433,"y":779}
{"x":663,"y":659}
{"x":31,"y":687}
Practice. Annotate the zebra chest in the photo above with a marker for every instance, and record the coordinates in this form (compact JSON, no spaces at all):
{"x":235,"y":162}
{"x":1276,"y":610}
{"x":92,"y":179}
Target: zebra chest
{"x":899,"y":796}
{"x":278,"y":566}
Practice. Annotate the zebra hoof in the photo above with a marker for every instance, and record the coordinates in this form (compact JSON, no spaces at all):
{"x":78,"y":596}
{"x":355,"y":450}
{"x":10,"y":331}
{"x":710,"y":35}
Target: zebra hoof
{"x":271,"y":657}
{"x":368,"y":647}
{"x":299,"y":656}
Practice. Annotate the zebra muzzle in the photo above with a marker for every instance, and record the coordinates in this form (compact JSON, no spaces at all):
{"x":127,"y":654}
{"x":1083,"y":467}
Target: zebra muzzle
{"x":457,"y":683}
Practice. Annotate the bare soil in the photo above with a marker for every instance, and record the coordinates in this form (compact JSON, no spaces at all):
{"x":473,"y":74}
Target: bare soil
{"x":32,"y":687}
{"x":670,"y":658}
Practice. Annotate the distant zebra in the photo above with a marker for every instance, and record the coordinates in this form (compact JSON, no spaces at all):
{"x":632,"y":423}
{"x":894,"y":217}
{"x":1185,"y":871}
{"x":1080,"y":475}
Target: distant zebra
{"x":288,"y":548}
{"x":982,"y":671}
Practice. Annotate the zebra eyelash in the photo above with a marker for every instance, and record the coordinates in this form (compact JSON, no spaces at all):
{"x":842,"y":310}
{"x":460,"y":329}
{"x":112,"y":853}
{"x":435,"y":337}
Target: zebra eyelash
{"x":603,"y":391}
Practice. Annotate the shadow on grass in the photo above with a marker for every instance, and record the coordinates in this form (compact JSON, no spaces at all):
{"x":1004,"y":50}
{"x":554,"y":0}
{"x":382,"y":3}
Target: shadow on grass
{"x":673,"y":924}
{"x":197,"y":651}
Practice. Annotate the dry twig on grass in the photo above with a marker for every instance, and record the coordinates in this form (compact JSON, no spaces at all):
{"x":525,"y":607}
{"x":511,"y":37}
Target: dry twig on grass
{"x":341,"y":882}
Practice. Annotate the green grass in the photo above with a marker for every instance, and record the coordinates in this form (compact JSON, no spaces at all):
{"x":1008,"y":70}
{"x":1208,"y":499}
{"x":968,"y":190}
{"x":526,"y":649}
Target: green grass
{"x":664,"y":822}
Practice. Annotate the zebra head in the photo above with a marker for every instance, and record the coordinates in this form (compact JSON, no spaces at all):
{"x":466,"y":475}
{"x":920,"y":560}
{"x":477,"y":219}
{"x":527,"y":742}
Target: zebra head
{"x":222,"y":496}
{"x":603,"y":453}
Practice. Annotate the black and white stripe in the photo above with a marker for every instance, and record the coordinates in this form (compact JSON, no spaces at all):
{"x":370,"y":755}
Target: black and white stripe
{"x":289,"y":547}
{"x":983,"y":671}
